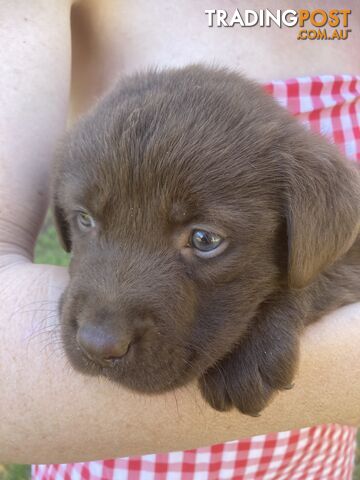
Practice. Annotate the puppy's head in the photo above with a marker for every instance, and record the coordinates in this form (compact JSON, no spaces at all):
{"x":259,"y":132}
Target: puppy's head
{"x":188,"y":198}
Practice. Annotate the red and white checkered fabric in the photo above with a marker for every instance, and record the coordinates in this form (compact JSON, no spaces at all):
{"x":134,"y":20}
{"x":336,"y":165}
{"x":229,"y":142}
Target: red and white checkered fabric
{"x":329,"y":104}
{"x":322,"y":452}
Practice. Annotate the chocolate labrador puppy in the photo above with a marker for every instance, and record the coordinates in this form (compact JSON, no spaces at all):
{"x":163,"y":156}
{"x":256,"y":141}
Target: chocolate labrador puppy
{"x":207,"y":229}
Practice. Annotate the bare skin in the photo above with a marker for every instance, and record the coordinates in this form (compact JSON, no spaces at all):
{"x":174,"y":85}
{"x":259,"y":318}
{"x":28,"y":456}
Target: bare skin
{"x":49,"y":412}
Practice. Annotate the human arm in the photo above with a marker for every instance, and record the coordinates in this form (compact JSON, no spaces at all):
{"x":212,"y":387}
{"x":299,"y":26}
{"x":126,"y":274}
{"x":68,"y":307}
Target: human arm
{"x":53,"y":414}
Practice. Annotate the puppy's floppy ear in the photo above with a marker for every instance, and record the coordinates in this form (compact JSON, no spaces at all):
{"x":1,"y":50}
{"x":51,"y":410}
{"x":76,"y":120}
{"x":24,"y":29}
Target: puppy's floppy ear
{"x":323,"y":209}
{"x":62,"y":226}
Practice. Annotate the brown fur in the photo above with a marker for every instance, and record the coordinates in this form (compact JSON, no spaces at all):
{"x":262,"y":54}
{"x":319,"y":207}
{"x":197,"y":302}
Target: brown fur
{"x":168,"y":150}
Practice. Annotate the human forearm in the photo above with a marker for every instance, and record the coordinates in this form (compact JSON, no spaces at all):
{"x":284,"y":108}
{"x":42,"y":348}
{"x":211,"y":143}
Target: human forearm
{"x":34,"y":85}
{"x":65,"y":416}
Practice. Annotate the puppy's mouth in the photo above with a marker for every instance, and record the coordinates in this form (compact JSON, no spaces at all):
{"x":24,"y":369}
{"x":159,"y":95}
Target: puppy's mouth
{"x":148,"y":365}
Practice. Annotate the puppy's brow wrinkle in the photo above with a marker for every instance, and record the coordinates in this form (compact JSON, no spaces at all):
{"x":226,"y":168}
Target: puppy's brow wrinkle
{"x":181,"y":214}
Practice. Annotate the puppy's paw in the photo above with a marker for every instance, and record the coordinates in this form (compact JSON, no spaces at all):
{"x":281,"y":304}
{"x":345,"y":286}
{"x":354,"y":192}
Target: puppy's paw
{"x":248,"y":377}
{"x":213,"y":386}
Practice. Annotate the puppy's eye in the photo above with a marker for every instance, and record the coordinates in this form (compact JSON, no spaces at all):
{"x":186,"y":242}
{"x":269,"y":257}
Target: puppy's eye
{"x":85,"y":221}
{"x":205,"y":244}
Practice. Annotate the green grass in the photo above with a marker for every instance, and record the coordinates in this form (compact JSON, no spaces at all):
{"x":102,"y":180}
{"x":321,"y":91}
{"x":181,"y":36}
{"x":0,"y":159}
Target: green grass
{"x":14,"y":472}
{"x":357,"y":459}
{"x":49,"y":251}
{"x":47,"y":248}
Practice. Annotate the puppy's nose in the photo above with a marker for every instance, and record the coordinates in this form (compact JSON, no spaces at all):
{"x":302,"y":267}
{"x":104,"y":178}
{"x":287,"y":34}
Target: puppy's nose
{"x":102,"y":346}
